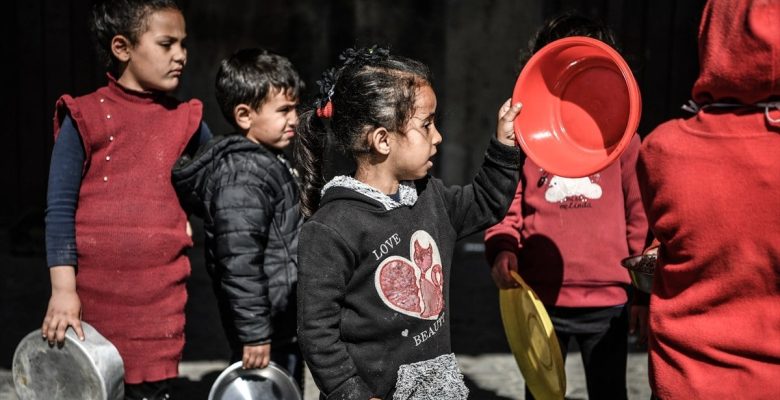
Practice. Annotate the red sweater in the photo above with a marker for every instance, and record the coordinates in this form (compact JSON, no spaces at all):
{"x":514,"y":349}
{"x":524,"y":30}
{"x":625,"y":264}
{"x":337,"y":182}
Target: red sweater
{"x":570,"y":234}
{"x":711,"y":188}
{"x":130,"y":230}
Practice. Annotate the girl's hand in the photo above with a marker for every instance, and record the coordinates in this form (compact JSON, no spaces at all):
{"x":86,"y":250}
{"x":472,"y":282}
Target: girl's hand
{"x":505,"y":132}
{"x":64,"y":306}
{"x":505,"y":262}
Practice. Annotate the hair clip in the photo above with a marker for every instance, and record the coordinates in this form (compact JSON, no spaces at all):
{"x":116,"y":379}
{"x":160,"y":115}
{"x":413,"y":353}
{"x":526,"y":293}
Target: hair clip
{"x":325,"y":111}
{"x":327,"y":85}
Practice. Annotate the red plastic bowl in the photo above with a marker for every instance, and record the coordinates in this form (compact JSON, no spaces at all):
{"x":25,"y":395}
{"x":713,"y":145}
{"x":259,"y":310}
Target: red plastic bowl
{"x":581,"y":106}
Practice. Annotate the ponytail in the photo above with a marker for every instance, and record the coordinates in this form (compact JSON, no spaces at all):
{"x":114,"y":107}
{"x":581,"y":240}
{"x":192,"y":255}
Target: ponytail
{"x":370,"y":89}
{"x":309,"y":153}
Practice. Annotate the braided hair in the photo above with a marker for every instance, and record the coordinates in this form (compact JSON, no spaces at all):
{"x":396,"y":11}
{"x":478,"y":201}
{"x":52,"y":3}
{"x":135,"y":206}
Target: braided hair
{"x":369,"y":90}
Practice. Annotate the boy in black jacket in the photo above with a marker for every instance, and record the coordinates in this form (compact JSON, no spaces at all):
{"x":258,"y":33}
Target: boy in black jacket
{"x":244,"y":189}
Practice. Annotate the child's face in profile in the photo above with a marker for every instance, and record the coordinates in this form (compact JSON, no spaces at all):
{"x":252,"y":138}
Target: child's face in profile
{"x":156,"y":61}
{"x":416,"y":146}
{"x":273,"y":124}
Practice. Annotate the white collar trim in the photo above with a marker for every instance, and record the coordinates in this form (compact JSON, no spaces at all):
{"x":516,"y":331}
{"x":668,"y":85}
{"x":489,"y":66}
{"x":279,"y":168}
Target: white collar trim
{"x":407,"y":191}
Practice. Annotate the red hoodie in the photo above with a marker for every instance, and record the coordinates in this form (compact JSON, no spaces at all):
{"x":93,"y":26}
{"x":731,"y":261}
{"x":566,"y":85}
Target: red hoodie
{"x":570,"y":234}
{"x":711,"y":188}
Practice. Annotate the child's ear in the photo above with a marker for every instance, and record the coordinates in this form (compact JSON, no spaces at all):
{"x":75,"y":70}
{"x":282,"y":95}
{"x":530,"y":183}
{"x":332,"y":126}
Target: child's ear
{"x":379,"y":139}
{"x":120,"y":48}
{"x":242,"y":114}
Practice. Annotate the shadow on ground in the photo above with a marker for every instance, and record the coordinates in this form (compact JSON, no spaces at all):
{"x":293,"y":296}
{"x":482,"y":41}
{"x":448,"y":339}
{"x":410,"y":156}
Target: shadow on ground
{"x":476,"y":393}
{"x":184,"y":388}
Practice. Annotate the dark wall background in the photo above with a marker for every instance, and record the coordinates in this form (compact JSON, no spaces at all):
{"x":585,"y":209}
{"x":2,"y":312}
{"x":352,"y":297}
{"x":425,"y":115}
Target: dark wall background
{"x":471,"y":46}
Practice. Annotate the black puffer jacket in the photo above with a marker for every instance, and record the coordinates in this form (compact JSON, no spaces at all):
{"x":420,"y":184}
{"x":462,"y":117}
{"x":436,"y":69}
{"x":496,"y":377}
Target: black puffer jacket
{"x":248,"y":200}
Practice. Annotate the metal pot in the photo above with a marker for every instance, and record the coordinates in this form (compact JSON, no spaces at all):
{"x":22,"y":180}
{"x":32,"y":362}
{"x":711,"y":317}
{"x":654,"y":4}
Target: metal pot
{"x":641,"y":269}
{"x":269,"y":383}
{"x":91,"y":369}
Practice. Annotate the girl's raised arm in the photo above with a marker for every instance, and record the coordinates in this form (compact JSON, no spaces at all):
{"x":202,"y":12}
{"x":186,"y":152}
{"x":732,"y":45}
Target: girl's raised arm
{"x":485,"y":201}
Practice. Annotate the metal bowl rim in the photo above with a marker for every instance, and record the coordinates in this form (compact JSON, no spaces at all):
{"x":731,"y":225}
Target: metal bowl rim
{"x":625,"y":262}
{"x":276,"y":372}
{"x":70,"y":336}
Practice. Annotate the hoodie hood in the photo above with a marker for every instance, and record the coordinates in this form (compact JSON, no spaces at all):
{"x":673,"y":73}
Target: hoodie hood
{"x":739,"y":52}
{"x":191,"y":175}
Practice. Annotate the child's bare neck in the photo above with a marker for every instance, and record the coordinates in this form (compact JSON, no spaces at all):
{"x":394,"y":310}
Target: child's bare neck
{"x":377,"y":178}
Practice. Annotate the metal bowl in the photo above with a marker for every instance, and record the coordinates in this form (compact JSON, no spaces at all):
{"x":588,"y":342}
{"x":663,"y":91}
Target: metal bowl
{"x":641,"y":269}
{"x":269,"y":383}
{"x":91,"y":369}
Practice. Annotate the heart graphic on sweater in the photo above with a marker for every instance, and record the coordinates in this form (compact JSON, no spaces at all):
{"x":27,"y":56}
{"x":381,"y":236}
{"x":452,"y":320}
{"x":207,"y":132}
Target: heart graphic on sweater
{"x":413,"y":286}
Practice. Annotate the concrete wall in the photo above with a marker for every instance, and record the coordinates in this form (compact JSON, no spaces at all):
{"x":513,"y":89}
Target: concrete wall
{"x":471,"y":47}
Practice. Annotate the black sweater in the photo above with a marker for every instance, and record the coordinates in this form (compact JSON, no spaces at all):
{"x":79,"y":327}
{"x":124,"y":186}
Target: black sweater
{"x":248,"y":200}
{"x":373,"y":289}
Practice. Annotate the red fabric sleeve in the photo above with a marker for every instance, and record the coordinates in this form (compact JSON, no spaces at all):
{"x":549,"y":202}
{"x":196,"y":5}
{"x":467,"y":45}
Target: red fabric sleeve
{"x":194,"y":119}
{"x":67,"y":105}
{"x":506,"y":234}
{"x":636,"y":220}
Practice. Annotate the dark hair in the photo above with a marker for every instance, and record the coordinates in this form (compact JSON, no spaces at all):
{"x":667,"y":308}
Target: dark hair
{"x":247,"y":77}
{"x":122,"y":17}
{"x":371,"y":89}
{"x":565,"y":25}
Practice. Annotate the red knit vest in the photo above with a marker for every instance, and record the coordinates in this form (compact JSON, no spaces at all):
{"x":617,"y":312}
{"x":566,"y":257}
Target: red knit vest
{"x":130,"y":230}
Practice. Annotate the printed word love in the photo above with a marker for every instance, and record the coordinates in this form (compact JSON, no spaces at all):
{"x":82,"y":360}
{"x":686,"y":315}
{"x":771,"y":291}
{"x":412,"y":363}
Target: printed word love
{"x":388,"y":244}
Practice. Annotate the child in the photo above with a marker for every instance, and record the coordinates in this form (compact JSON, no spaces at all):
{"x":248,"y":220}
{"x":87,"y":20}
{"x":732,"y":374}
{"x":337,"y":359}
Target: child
{"x":376,"y":252}
{"x":112,"y":213}
{"x":243,"y":188}
{"x":710,"y":185}
{"x":567,"y":244}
